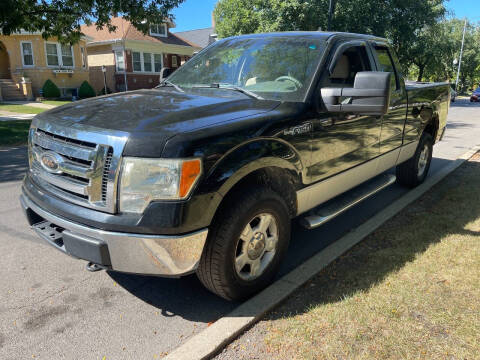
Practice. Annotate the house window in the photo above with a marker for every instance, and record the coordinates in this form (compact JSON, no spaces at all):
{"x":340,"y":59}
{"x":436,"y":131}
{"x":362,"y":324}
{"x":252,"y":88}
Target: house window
{"x":157,"y":59}
{"x":84,"y":57}
{"x":137,"y":61}
{"x":52,"y":55}
{"x":59,"y":55}
{"x":27,"y":53}
{"x":174,"y":61}
{"x":147,"y":62}
{"x":158,"y":30}
{"x":119,"y":60}
{"x":67,"y":55}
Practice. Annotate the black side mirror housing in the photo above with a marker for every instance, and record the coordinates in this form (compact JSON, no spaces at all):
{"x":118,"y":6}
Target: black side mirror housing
{"x":370,"y":95}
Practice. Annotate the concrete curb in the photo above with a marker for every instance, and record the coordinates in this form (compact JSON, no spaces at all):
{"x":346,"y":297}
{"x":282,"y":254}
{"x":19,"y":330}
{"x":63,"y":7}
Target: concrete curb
{"x":211,"y":340}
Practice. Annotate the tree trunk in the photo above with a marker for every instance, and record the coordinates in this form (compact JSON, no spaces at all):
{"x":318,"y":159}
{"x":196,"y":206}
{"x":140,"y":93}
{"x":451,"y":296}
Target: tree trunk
{"x":421,"y":70}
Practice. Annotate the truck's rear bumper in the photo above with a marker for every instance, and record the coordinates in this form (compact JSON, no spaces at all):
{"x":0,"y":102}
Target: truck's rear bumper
{"x":126,"y":252}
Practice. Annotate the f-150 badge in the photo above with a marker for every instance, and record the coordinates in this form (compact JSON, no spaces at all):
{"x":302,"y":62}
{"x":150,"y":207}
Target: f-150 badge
{"x":300,"y":129}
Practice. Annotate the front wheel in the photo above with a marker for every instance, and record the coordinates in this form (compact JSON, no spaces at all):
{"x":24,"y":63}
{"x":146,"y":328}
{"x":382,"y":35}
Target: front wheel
{"x":414,"y":171}
{"x":245,"y":245}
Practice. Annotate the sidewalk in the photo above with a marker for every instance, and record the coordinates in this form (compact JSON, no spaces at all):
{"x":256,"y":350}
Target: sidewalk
{"x":409,"y":290}
{"x":30,"y":103}
{"x":9,"y":116}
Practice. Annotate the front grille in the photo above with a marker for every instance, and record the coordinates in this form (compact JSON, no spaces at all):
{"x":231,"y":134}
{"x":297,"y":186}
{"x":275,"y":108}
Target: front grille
{"x":75,"y":170}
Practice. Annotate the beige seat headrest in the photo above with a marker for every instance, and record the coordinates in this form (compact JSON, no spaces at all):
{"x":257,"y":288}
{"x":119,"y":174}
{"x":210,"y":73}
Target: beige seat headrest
{"x":342,"y":68}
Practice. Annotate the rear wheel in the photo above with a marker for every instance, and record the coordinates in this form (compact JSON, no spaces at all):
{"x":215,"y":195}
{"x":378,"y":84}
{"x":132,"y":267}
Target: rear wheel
{"x":245,"y":245}
{"x":414,"y":171}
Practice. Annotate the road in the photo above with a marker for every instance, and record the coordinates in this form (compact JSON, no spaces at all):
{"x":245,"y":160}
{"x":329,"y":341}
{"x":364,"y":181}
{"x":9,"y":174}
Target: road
{"x":51,"y":308}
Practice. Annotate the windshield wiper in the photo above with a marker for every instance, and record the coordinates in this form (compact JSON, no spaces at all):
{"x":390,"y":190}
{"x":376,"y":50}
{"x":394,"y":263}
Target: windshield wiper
{"x":230,"y":87}
{"x":166,"y":82}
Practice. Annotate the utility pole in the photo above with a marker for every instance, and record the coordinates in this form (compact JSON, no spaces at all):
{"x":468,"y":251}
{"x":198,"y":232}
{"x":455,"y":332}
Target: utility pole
{"x":461,"y":54}
{"x":331,"y":10}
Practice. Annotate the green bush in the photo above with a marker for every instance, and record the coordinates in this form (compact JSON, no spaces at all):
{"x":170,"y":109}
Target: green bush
{"x":50,"y":90}
{"x":86,"y":90}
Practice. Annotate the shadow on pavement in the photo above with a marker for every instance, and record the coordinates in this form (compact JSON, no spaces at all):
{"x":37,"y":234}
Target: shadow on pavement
{"x":185,"y":297}
{"x":13,"y":163}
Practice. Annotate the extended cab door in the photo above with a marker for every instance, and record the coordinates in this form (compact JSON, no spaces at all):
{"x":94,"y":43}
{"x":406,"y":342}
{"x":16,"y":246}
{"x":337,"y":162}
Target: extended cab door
{"x":393,"y":123}
{"x":340,"y":140}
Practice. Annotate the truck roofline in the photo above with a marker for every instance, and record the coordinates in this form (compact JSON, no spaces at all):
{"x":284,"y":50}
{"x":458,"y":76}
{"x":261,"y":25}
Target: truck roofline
{"x":325,"y":35}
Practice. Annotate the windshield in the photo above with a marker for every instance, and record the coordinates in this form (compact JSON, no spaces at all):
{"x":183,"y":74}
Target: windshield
{"x":274,"y":68}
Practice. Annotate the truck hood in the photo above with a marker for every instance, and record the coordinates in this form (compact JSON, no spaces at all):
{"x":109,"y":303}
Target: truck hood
{"x":153,"y":116}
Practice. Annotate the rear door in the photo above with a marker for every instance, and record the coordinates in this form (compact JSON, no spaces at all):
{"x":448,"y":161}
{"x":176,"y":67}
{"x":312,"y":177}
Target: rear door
{"x":393,"y":123}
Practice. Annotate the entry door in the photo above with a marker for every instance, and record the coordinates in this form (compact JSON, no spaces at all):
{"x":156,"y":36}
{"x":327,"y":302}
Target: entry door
{"x":342,"y":141}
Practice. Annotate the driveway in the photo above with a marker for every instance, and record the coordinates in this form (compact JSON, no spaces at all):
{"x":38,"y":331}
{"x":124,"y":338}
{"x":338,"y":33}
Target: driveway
{"x":52,"y":308}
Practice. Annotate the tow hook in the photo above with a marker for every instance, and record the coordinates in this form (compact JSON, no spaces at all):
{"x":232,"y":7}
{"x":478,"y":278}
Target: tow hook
{"x":92,"y":267}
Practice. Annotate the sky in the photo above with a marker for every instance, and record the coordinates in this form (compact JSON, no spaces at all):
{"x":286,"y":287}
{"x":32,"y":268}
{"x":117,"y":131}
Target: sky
{"x":197,"y":14}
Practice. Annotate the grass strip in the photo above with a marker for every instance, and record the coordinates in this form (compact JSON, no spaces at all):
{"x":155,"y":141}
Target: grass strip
{"x":408,"y":291}
{"x":22,"y":109}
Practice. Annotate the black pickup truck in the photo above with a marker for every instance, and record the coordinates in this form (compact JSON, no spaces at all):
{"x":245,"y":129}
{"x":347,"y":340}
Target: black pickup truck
{"x":205,"y":172}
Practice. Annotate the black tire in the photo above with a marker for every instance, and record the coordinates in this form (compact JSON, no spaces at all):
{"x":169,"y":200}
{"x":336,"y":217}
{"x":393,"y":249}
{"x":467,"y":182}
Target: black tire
{"x":408,"y":172}
{"x":216,"y":269}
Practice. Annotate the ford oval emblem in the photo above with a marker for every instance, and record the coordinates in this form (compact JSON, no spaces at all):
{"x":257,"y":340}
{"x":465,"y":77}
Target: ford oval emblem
{"x":51,"y":162}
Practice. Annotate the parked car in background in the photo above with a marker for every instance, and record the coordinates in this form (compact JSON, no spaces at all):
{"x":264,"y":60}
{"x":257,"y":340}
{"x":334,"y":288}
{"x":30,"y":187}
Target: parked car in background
{"x":475,"y":95}
{"x":453,"y":95}
{"x":204,"y":173}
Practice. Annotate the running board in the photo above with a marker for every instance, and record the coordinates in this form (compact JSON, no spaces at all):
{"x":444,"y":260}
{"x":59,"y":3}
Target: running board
{"x":331,"y":209}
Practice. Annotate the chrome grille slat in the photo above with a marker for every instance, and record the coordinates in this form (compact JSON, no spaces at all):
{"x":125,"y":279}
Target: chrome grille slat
{"x":68,"y":184}
{"x":64,"y":148}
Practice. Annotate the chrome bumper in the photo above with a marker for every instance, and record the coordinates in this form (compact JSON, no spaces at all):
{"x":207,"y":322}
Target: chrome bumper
{"x":132,"y":253}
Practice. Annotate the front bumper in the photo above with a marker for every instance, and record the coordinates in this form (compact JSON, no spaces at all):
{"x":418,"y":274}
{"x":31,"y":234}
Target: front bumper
{"x":126,"y":252}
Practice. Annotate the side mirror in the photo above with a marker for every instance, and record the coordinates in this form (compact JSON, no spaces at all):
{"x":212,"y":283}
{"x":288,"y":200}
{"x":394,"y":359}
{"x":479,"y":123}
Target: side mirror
{"x":370,"y":95}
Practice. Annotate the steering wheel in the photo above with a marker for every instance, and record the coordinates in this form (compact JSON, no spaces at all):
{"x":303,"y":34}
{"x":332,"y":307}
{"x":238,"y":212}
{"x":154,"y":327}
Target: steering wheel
{"x":297,"y":83}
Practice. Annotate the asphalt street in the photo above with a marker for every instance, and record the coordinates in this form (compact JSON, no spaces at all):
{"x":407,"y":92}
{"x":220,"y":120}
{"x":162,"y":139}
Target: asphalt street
{"x":52,"y":308}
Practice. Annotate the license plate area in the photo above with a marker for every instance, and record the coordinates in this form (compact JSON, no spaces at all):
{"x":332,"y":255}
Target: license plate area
{"x":51,"y":233}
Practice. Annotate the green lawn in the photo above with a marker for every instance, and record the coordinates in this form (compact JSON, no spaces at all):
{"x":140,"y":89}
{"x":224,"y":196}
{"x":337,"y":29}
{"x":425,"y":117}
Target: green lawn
{"x":56,"y":102}
{"x":14,"y":132}
{"x":23,"y":109}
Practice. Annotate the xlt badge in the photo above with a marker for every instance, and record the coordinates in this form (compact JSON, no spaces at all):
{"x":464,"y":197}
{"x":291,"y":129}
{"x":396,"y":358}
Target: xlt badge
{"x":300,"y":129}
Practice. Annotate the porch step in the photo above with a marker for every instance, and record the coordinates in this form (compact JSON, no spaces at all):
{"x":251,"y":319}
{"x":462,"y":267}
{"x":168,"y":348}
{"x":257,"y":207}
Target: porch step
{"x":10,"y":91}
{"x":331,"y":209}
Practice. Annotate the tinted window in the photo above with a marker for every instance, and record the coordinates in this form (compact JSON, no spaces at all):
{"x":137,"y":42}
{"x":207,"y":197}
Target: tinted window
{"x":385,"y":63}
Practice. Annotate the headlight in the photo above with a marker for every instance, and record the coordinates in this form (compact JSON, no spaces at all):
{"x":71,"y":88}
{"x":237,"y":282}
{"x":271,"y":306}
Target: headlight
{"x":145,"y":180}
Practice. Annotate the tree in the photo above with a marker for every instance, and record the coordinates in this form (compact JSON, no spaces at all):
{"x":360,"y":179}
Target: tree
{"x":436,"y":47}
{"x":62,"y":18}
{"x":398,"y":20}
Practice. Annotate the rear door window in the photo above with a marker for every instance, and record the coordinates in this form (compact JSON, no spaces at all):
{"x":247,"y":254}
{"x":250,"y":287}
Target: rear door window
{"x":385,"y":64}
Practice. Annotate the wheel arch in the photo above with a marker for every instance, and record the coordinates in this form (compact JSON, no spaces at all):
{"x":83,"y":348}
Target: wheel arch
{"x":272,"y":163}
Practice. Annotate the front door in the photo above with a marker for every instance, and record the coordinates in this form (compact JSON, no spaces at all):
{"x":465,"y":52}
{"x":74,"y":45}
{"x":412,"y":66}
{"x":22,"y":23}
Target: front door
{"x":4,"y":62}
{"x":342,"y":141}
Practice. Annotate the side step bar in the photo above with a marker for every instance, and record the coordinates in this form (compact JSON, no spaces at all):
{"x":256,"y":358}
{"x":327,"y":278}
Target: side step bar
{"x":331,"y":209}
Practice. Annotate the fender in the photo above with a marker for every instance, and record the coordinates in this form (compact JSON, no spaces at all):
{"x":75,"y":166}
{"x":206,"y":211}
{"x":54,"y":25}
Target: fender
{"x":248,"y":157}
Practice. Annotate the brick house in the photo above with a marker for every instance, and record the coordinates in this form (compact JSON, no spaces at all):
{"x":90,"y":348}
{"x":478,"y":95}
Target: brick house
{"x":127,"y":53}
{"x":27,"y":61}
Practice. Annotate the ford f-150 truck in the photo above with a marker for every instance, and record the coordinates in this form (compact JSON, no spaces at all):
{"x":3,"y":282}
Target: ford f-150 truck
{"x":205,"y":172}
